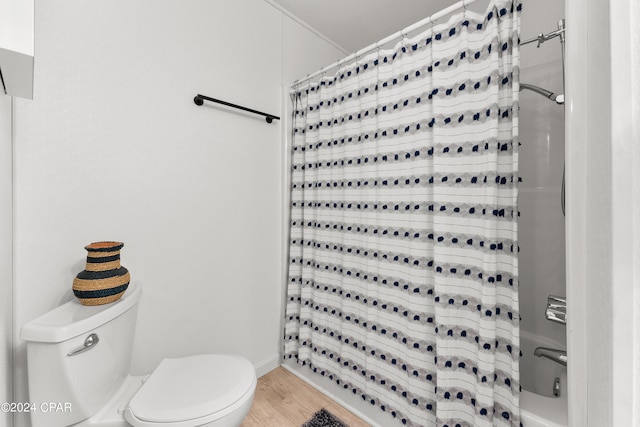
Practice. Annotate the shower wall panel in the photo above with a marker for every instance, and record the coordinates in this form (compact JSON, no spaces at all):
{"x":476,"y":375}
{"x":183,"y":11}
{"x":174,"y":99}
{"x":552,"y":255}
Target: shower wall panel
{"x":541,"y":227}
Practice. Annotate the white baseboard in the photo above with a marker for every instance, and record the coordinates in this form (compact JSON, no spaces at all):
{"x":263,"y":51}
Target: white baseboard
{"x":265,"y":366}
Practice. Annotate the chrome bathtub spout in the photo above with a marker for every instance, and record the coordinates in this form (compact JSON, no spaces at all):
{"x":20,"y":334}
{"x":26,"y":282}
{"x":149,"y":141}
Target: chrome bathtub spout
{"x":558,"y":356}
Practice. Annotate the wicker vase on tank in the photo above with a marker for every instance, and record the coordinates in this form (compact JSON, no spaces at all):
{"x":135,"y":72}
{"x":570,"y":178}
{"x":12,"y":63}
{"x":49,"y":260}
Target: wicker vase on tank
{"x":104,"y":280}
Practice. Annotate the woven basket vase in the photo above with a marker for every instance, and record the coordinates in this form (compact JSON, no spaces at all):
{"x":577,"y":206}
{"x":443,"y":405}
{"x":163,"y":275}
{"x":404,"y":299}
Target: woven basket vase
{"x":103,"y":281}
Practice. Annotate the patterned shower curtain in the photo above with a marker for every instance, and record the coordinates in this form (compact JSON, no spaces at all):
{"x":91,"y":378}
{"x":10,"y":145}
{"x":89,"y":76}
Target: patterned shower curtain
{"x":403,"y":275}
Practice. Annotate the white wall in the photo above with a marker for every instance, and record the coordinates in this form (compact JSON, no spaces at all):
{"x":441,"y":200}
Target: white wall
{"x":603,"y":237}
{"x":602,"y":231}
{"x":113,"y":147}
{"x":625,"y":212}
{"x":6,"y":285}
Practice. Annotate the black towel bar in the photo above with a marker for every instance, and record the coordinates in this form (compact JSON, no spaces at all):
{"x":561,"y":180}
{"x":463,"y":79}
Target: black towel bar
{"x":199,"y":100}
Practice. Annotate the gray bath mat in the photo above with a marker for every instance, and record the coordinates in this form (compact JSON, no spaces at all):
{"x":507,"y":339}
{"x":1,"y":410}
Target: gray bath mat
{"x":324,"y":418}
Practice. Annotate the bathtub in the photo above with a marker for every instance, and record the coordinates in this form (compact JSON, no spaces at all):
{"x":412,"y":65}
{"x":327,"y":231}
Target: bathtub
{"x":538,"y":406}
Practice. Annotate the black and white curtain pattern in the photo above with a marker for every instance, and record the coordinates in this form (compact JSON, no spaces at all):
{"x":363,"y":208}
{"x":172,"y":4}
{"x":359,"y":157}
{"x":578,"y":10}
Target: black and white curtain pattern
{"x":403,"y":275}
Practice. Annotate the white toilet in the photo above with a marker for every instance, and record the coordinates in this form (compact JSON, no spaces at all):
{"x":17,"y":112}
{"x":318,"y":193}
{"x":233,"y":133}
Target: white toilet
{"x":79,"y":358}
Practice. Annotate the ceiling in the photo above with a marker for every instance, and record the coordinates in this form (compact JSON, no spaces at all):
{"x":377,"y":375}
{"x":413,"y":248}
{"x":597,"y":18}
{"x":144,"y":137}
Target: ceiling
{"x":355,"y":24}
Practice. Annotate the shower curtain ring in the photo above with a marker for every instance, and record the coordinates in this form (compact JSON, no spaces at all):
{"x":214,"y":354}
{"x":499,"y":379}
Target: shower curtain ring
{"x":431,"y":23}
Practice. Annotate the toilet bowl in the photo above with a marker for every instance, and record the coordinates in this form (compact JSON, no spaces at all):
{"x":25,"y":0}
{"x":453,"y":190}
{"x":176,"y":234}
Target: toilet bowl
{"x":79,"y":356}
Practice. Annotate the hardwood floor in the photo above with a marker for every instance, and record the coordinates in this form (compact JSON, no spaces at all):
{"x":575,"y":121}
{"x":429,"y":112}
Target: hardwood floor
{"x":284,"y":400}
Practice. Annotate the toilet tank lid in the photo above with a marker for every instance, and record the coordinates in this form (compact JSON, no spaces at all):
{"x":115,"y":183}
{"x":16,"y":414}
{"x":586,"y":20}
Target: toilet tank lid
{"x":72,"y":318}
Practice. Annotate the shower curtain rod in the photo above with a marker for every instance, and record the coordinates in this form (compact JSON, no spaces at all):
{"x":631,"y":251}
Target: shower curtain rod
{"x":430,"y":20}
{"x":540,"y":38}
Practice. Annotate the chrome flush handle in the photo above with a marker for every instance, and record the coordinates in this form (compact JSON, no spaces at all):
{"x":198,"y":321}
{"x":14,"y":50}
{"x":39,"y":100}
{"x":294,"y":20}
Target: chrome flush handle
{"x":89,"y":343}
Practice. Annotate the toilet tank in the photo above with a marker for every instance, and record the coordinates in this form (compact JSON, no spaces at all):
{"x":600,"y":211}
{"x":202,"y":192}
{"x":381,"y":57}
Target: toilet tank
{"x":79,"y":383}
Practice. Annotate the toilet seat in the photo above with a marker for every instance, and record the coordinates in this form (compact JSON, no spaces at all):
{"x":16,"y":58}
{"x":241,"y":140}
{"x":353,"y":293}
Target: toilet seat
{"x":192,"y":391}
